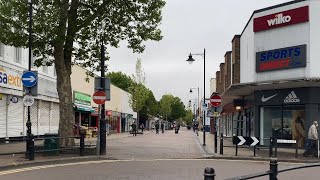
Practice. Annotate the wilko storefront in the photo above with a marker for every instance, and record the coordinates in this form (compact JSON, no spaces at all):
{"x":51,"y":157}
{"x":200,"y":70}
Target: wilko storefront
{"x":279,"y":72}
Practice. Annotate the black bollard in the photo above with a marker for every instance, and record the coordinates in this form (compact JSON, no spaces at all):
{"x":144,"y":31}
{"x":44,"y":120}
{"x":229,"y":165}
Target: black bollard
{"x":31,"y":147}
{"x":209,"y":174}
{"x":221,"y":143}
{"x":273,"y":169}
{"x":82,"y":135}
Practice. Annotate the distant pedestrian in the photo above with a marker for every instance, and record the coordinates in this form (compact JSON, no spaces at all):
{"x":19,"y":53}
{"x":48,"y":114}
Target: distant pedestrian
{"x":157,"y":127}
{"x":162,"y":127}
{"x":142,"y":127}
{"x":134,"y":129}
{"x":311,"y":147}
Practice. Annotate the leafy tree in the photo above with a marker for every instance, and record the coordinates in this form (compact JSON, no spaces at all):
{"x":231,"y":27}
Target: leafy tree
{"x":120,"y":80}
{"x":165,"y":105}
{"x":178,"y":109}
{"x":69,"y":31}
{"x":139,"y":93}
{"x":188,"y":117}
{"x":151,"y":107}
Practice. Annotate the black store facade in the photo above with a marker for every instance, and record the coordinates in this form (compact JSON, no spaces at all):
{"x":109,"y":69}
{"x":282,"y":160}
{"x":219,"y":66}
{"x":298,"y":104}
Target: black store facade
{"x":286,"y":113}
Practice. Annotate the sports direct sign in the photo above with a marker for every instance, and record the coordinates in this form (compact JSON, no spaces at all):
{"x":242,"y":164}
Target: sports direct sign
{"x":284,"y":58}
{"x":293,"y":16}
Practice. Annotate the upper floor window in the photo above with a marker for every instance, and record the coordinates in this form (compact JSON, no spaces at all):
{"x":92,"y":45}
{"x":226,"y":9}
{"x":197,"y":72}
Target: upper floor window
{"x":18,"y":55}
{"x":1,"y":50}
{"x":45,"y":69}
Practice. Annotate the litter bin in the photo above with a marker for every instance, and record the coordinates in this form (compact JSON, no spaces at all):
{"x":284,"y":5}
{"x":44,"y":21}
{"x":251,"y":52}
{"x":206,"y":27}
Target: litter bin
{"x":51,"y":144}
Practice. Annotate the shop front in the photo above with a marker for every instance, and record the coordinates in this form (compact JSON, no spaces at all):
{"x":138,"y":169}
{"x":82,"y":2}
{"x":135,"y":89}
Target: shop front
{"x":113,"y":121}
{"x":83,"y":108}
{"x":286,"y":113}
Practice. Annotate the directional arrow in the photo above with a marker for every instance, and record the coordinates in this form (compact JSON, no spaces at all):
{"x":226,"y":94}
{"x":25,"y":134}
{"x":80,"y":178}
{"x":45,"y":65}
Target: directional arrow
{"x":30,"y":78}
{"x":255,"y":141}
{"x":242,"y":140}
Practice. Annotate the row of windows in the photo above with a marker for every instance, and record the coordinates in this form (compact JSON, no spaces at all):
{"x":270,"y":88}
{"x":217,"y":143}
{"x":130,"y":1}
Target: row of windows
{"x":17,"y":56}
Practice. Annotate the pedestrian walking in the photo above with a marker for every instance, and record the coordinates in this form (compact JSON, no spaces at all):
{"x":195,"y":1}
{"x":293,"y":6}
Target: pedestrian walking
{"x":157,"y":127}
{"x":142,"y":127}
{"x":196,"y":127}
{"x":312,"y":146}
{"x":162,"y":127}
{"x":134,"y":129}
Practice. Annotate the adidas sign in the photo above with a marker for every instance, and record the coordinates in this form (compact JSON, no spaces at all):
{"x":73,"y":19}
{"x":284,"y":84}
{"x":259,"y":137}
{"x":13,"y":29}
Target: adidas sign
{"x":291,"y":98}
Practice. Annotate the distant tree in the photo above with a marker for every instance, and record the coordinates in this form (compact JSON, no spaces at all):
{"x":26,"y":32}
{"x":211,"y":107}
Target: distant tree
{"x":139,"y":93}
{"x":177,"y":109}
{"x":151,"y":107}
{"x":165,"y":105}
{"x":120,"y":80}
{"x":188,"y":117}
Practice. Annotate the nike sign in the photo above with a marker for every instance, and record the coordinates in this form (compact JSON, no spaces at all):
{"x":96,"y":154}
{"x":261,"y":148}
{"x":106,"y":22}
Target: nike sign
{"x":263,"y":99}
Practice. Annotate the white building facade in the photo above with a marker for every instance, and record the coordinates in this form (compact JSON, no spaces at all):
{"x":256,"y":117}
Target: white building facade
{"x":44,"y":111}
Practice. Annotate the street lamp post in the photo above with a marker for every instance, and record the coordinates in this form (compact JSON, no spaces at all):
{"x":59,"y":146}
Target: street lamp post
{"x":190,"y":60}
{"x":29,"y":143}
{"x":198,"y":100}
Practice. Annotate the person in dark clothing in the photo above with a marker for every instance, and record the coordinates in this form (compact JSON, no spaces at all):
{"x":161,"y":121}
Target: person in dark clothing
{"x":157,"y":127}
{"x":134,"y":129}
{"x":142,"y":127}
{"x":162,"y":127}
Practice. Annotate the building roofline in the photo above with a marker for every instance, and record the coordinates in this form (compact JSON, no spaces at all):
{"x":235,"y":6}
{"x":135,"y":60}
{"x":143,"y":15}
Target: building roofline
{"x":269,"y":8}
{"x":235,"y":36}
{"x":228,"y":52}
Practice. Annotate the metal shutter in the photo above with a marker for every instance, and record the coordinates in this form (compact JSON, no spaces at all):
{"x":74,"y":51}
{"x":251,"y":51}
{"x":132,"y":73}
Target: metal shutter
{"x":15,"y":118}
{"x":3,"y":111}
{"x":44,"y":117}
{"x":54,"y":120}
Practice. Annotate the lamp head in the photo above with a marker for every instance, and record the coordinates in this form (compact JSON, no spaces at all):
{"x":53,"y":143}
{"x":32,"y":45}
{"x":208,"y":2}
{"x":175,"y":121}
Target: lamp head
{"x":190,"y":91}
{"x":190,"y":59}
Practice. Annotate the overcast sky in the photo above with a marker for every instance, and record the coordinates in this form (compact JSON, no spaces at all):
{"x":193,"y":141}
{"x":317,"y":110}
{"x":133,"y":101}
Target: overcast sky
{"x":188,"y":26}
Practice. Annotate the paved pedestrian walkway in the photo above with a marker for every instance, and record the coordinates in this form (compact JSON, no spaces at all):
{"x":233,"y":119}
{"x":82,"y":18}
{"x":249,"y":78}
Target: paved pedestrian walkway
{"x":148,"y":146}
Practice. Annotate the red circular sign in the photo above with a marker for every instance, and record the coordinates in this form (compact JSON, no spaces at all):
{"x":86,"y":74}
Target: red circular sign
{"x":215,"y":100}
{"x":99,"y":97}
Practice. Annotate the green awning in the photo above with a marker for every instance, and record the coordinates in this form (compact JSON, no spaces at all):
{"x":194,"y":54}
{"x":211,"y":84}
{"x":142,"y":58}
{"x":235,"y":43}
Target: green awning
{"x":82,"y":107}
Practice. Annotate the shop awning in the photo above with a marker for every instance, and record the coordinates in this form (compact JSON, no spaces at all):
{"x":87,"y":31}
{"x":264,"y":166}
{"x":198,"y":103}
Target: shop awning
{"x":237,"y":91}
{"x":82,"y":107}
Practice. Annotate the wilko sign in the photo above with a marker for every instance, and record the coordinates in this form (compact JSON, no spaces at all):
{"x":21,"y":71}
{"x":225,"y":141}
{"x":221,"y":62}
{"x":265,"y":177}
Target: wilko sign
{"x":293,"y":16}
{"x":285,"y":58}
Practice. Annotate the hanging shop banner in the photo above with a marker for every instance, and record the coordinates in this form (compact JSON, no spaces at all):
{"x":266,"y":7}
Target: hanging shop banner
{"x":284,"y":58}
{"x":280,"y":19}
{"x":10,"y":79}
{"x":81,"y":98}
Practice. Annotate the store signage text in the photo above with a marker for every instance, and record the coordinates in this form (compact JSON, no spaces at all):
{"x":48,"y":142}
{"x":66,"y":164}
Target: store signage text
{"x":280,"y":19}
{"x":10,"y":79}
{"x":292,"y":98}
{"x":81,"y":98}
{"x":285,"y":58}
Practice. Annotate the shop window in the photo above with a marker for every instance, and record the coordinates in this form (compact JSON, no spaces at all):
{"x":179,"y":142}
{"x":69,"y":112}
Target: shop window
{"x":286,"y":122}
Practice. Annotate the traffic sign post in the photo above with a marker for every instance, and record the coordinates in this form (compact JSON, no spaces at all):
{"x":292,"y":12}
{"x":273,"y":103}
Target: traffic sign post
{"x":249,"y":141}
{"x":215,"y":101}
{"x":99,"y":97}
{"x":29,"y":78}
{"x":28,"y":100}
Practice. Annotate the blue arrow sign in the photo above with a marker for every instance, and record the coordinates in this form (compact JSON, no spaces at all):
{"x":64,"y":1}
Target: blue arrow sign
{"x":29,"y":79}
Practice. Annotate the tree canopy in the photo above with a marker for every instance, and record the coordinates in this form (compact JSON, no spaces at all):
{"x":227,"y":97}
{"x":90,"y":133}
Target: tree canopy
{"x":71,"y":31}
{"x":120,"y":80}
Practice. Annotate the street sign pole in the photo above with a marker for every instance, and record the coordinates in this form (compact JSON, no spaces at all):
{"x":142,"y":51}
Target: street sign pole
{"x":98,"y":133}
{"x":103,"y":139}
{"x":28,"y":124}
{"x":215,"y":133}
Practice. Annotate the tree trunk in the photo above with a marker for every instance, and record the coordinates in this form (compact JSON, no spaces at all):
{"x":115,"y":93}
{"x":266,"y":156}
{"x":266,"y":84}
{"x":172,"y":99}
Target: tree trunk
{"x":67,"y":118}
